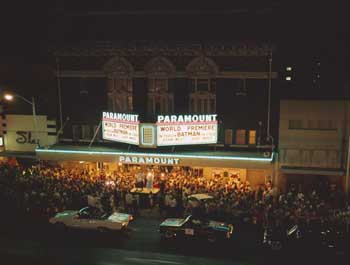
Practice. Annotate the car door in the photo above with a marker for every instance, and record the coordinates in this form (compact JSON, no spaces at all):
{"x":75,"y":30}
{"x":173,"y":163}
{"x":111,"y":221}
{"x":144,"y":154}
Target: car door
{"x":192,"y":228}
{"x":83,"y":220}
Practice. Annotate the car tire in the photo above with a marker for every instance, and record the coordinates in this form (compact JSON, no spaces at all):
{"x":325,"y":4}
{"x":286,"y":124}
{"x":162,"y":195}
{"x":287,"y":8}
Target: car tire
{"x":168,"y":235}
{"x":212,"y":238}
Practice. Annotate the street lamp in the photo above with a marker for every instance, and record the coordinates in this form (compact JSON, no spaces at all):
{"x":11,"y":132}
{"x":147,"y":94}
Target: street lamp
{"x":10,"y":97}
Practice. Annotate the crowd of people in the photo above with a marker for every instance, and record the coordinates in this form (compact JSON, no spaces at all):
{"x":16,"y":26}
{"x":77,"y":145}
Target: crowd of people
{"x":46,"y":190}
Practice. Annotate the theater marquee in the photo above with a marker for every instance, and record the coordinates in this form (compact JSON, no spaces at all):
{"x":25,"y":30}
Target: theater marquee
{"x":120,"y":127}
{"x":186,"y":129}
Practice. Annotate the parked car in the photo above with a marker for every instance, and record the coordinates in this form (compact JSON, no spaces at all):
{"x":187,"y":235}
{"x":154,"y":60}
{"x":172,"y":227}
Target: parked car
{"x":91,"y":218}
{"x":277,"y":238}
{"x":336,"y":238}
{"x":311,"y":236}
{"x":191,"y":227}
{"x":198,"y":199}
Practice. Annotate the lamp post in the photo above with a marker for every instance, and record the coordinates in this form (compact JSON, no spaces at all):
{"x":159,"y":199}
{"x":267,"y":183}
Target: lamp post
{"x":9,"y":97}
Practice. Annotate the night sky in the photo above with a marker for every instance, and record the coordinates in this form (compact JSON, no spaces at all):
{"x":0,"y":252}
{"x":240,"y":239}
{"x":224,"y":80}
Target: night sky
{"x":27,"y":27}
{"x":305,"y":32}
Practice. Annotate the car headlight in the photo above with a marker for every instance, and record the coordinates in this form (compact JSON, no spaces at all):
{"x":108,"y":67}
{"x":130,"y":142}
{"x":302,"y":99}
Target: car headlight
{"x":231,"y":228}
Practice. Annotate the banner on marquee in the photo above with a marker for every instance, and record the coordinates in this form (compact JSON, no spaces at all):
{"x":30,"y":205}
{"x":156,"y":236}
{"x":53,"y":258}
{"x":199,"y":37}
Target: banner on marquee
{"x":120,"y":127}
{"x":186,"y":129}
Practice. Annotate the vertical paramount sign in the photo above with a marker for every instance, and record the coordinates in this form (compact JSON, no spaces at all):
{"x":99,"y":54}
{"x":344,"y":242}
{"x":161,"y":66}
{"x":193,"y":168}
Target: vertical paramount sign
{"x":186,"y":129}
{"x":120,"y":127}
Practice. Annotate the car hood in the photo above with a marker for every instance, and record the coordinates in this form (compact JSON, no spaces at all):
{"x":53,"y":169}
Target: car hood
{"x":220,"y":226}
{"x":174,"y":222}
{"x":120,"y":217}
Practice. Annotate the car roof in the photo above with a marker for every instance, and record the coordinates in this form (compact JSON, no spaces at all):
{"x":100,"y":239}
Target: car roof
{"x":200,"y":196}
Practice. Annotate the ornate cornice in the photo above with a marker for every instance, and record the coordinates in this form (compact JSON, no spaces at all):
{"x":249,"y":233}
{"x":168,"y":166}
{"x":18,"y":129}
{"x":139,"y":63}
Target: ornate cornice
{"x":154,"y":49}
{"x":141,"y":74}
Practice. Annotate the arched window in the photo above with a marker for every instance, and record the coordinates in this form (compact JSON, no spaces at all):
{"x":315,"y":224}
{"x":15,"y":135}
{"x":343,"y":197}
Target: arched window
{"x":202,"y":73}
{"x":160,"y":73}
{"x":119,"y":81}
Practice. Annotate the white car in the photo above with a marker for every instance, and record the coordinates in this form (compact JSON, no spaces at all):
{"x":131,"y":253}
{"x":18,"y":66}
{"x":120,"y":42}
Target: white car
{"x":91,"y":218}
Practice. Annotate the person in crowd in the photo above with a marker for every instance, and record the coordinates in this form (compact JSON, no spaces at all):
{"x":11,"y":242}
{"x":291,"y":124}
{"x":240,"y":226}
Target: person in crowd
{"x":135,"y":204}
{"x":149,"y":180}
{"x":129,"y":202}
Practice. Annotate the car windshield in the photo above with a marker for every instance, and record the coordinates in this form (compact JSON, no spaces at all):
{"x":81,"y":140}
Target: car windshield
{"x":92,"y":213}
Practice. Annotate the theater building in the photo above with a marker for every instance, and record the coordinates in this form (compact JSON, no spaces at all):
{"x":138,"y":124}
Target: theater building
{"x":152,"y":79}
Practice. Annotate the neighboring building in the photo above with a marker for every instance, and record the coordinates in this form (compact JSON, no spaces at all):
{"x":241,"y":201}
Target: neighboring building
{"x":22,"y":136}
{"x":313,"y":141}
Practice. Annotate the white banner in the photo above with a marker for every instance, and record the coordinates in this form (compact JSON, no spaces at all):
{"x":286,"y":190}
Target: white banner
{"x":120,"y":127}
{"x":187,"y":130}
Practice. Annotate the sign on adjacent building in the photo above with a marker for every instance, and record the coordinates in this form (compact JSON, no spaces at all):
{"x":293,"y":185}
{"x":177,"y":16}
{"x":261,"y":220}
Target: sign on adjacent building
{"x":186,"y":129}
{"x":22,"y":135}
{"x":120,"y":127}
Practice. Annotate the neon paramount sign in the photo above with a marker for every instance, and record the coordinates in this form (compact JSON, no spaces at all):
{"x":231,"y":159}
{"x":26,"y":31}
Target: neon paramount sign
{"x":186,"y":118}
{"x":149,"y":160}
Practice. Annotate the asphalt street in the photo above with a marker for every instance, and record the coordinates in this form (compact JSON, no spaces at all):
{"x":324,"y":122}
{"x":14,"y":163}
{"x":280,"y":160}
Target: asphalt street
{"x":39,"y":243}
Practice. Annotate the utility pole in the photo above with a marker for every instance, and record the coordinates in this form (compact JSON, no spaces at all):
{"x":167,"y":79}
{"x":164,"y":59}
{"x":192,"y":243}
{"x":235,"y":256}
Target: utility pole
{"x":59,"y":92}
{"x":36,"y":137}
{"x":269,"y":96}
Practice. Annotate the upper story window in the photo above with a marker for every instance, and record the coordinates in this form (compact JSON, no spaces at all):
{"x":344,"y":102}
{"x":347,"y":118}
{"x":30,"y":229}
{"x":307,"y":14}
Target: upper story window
{"x":330,"y":125}
{"x":321,"y":125}
{"x":123,"y":85}
{"x":120,"y":98}
{"x":241,"y":137}
{"x":160,"y":72}
{"x":157,"y":85}
{"x":241,"y":88}
{"x":203,"y":84}
{"x":119,"y":73}
{"x":295,"y":124}
{"x":252,"y":137}
{"x":202,"y":72}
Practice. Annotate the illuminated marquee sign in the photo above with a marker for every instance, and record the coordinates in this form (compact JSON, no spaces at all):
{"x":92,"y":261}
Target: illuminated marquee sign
{"x":150,"y":160}
{"x":187,"y":129}
{"x":120,"y":127}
